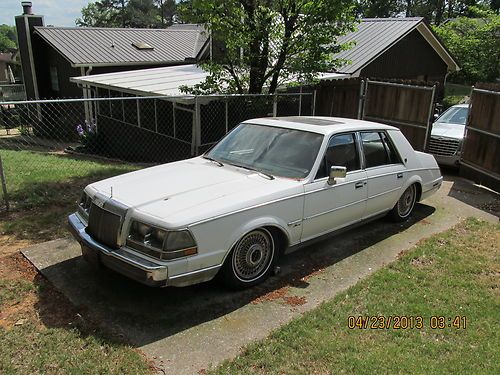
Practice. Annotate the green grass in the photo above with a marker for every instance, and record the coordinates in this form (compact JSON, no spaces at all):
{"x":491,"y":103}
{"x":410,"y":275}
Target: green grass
{"x":43,"y":188}
{"x":12,"y":291}
{"x":64,"y":344}
{"x":27,"y":349}
{"x":36,"y":178}
{"x":454,"y":273}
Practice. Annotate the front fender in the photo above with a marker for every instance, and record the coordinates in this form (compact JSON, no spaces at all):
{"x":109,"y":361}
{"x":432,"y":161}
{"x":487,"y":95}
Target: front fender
{"x":265,"y":221}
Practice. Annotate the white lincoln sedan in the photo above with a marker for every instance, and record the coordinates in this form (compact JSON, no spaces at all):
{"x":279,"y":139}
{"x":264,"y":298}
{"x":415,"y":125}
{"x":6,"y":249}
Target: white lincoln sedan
{"x":270,"y":184}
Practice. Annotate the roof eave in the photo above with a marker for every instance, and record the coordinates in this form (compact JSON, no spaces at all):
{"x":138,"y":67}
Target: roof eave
{"x":130,"y":63}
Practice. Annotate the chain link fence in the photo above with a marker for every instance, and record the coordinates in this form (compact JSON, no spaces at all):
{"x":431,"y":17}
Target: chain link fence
{"x":50,"y":149}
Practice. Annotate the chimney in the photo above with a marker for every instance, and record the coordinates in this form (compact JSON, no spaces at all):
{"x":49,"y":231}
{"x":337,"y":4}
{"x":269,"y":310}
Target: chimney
{"x":27,"y":7}
{"x":28,"y":48}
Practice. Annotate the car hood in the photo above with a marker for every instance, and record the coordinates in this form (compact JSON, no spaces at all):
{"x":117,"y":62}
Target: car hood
{"x":440,"y":129}
{"x":191,"y":190}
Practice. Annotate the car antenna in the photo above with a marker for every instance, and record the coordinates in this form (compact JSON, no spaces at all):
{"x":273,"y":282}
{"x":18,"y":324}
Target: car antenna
{"x":111,"y":192}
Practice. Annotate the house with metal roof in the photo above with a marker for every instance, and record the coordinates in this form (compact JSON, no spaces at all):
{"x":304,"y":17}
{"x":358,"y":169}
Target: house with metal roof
{"x":389,"y":48}
{"x":52,"y":55}
{"x":402,"y":48}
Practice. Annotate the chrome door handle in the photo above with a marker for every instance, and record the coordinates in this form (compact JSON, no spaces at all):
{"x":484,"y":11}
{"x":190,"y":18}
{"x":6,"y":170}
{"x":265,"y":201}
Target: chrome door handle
{"x":400,"y":175}
{"x":359,"y":184}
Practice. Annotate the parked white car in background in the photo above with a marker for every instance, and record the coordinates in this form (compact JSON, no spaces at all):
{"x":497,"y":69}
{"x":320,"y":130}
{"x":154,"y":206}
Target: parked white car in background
{"x":270,"y":184}
{"x":447,"y":135}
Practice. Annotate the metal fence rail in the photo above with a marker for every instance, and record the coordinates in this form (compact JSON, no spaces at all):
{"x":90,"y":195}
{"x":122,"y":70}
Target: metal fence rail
{"x":48,"y":146}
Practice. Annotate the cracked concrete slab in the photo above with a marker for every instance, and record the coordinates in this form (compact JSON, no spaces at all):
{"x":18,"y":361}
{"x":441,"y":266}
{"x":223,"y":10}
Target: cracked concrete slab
{"x":188,"y":329}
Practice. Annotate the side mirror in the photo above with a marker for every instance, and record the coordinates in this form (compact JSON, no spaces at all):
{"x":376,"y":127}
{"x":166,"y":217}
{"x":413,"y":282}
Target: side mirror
{"x":337,"y":174}
{"x":436,"y":115}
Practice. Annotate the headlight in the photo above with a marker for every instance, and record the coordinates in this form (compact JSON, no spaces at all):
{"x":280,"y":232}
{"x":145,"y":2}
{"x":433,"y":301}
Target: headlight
{"x":161,"y":243}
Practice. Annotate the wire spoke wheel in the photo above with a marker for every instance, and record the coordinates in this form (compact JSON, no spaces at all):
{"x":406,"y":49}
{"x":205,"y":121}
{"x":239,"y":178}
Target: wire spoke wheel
{"x":253,"y":255}
{"x":407,"y":201}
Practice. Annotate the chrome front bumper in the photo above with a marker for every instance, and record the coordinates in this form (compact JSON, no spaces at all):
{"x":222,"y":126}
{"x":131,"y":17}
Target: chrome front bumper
{"x":131,"y":265}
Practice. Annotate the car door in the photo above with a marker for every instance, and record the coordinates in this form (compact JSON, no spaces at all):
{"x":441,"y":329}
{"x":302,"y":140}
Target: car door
{"x":329,"y":207}
{"x":384,"y":169}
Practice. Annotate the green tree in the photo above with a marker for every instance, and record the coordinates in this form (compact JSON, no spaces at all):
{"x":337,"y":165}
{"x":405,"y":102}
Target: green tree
{"x":167,"y":9}
{"x":100,"y":14}
{"x":380,"y":8}
{"x":128,"y":13}
{"x":142,"y":13}
{"x":8,"y":38}
{"x":266,"y":43}
{"x":475,"y":42}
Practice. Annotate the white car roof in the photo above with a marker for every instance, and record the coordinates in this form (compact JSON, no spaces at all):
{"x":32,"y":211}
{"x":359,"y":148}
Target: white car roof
{"x":320,"y":124}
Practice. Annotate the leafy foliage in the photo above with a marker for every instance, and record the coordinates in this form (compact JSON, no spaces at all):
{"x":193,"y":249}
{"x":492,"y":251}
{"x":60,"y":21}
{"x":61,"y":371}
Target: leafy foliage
{"x":128,"y":13}
{"x":263,"y":43}
{"x":8,"y":38}
{"x":434,"y":11}
{"x":475,"y":42}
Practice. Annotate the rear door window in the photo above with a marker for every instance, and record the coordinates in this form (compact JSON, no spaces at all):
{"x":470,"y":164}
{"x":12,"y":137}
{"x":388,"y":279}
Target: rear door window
{"x":378,"y":149}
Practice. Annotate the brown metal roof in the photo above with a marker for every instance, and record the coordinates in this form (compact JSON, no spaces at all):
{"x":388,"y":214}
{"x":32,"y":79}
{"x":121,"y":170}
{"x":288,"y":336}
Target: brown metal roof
{"x":372,"y":37}
{"x":85,"y":46}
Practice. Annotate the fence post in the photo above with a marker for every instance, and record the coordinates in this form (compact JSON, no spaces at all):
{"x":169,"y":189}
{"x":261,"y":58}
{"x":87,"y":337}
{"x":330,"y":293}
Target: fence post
{"x":361,"y":102}
{"x":138,"y":112}
{"x":156,"y":116}
{"x":4,"y":186}
{"x":467,"y":121}
{"x":314,"y":103}
{"x":275,"y":105}
{"x":173,"y":117}
{"x":227,"y":115}
{"x":196,"y":137}
{"x":300,"y":101}
{"x":430,"y":118}
{"x":365,"y":95}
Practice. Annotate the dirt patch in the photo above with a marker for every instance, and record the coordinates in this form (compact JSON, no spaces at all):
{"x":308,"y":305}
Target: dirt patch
{"x":15,"y":266}
{"x":271,"y":296}
{"x":295,"y":300}
{"x":40,"y":304}
{"x":315,"y":272}
{"x":11,"y":244}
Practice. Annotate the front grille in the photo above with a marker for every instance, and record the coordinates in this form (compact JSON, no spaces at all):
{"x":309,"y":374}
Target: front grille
{"x":104,"y":226}
{"x":443,"y":146}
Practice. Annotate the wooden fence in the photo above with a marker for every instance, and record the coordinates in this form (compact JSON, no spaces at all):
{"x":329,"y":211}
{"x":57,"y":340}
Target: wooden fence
{"x":407,"y":105}
{"x":481,"y":149}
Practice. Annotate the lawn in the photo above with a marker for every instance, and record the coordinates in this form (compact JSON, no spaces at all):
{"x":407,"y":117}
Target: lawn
{"x":452,"y":274}
{"x":43,"y":188}
{"x":41,"y":333}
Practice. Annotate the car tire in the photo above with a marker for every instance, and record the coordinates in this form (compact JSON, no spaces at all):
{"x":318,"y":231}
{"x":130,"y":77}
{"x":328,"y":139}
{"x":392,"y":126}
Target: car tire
{"x":405,"y":204}
{"x":251,"y":260}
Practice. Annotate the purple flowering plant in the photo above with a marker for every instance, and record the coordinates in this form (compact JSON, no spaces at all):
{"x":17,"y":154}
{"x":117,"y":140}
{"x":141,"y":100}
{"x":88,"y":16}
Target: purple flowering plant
{"x":87,"y":132}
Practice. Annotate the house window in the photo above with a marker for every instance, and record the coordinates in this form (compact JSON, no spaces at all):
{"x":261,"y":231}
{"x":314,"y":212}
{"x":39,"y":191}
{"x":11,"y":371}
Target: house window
{"x":54,"y":79}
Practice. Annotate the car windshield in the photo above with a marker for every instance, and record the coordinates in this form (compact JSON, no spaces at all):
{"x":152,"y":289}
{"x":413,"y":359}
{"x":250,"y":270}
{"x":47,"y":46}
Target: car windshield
{"x":271,"y":150}
{"x":454,"y":115}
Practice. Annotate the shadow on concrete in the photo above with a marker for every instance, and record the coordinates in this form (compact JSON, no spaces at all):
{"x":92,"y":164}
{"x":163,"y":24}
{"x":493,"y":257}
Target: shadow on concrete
{"x":471,"y":194}
{"x":144,"y":315}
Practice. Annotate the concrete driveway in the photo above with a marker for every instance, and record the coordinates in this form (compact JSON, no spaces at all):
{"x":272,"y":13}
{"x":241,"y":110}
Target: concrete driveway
{"x":186,"y":330}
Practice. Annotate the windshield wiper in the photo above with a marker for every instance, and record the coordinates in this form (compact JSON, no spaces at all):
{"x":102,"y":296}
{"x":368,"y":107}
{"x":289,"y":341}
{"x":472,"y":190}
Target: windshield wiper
{"x":267,"y":175}
{"x":214,"y":160}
